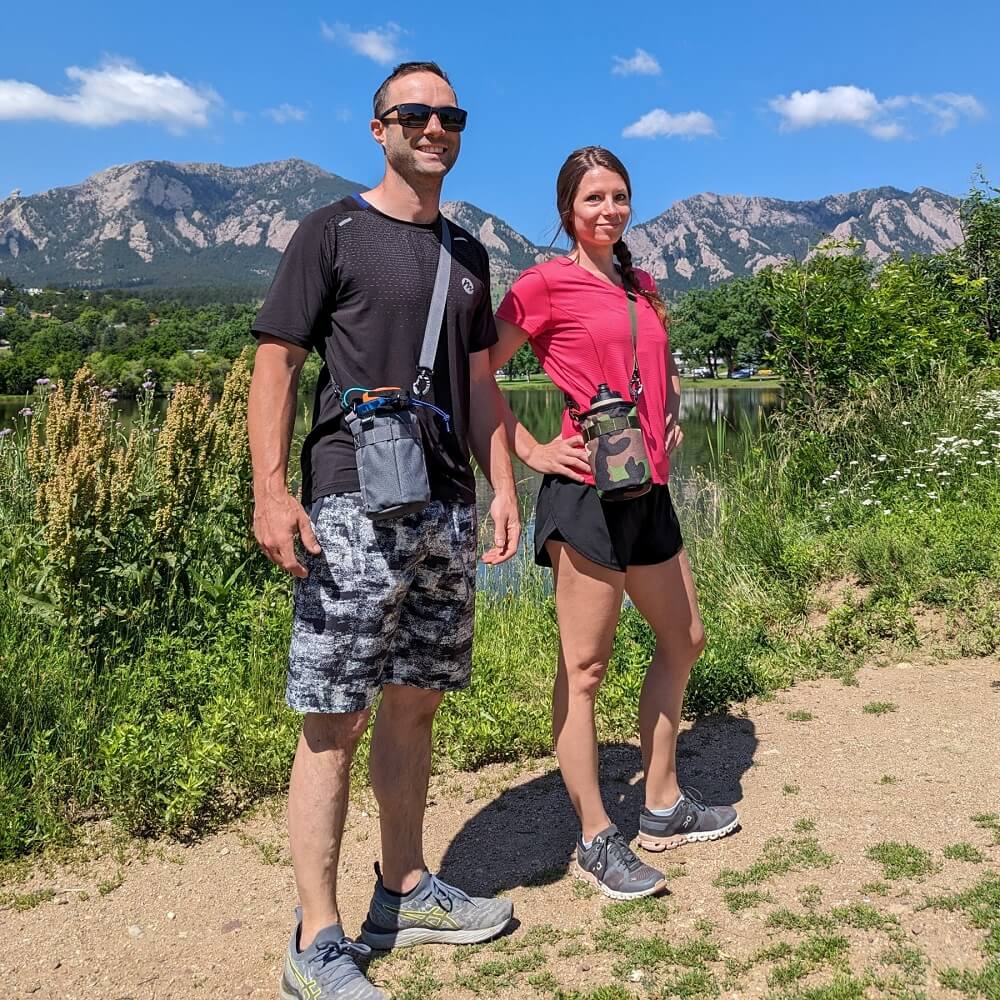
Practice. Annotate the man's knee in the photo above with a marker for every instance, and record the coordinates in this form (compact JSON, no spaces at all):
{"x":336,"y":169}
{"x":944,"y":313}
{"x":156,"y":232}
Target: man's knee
{"x":334,"y":731}
{"x":410,"y":705}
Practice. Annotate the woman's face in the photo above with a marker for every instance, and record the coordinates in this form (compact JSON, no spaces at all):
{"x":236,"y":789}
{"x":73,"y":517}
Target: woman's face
{"x":601,"y":208}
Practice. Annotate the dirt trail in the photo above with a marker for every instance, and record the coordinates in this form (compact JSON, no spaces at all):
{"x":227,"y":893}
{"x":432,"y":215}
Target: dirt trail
{"x":212,"y":919}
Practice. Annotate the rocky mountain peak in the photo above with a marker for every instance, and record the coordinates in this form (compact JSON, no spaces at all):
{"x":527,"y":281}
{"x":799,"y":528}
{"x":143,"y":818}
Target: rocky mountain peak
{"x":155,"y":222}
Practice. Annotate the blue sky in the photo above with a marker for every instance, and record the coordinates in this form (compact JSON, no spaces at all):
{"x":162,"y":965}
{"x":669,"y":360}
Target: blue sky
{"x":783,"y":99}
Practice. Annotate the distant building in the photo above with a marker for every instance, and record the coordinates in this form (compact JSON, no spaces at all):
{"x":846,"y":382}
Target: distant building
{"x":4,"y":345}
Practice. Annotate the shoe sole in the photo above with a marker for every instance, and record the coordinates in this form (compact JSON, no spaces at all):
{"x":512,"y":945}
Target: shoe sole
{"x":409,"y":936}
{"x":585,"y":876}
{"x":658,"y":844}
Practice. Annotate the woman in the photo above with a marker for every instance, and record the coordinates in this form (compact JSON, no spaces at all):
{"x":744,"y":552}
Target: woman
{"x":576,"y":313}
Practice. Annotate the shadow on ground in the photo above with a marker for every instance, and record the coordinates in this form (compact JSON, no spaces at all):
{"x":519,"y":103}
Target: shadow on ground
{"x":525,"y":836}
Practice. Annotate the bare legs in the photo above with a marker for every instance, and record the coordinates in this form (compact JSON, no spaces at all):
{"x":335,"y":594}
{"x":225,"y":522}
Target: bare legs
{"x":400,"y":767}
{"x":318,"y":795}
{"x":588,"y":603}
{"x":665,"y":596}
{"x":317,"y":807}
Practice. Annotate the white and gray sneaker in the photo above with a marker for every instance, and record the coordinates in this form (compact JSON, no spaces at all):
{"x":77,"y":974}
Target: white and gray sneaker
{"x":611,"y":865}
{"x":689,"y":822}
{"x":433,"y":912}
{"x":326,"y":970}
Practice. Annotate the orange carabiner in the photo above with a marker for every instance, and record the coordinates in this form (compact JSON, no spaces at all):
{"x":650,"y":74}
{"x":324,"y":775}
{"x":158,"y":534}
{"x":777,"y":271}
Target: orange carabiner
{"x":371,"y":394}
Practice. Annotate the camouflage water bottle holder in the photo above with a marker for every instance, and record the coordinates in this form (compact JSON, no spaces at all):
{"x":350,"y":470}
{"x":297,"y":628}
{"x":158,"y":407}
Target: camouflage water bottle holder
{"x":617,"y":454}
{"x":613,"y":438}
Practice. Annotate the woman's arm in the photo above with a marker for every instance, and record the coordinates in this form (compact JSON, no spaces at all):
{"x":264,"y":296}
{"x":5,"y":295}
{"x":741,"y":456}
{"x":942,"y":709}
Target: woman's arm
{"x":561,"y":456}
{"x":674,"y":434}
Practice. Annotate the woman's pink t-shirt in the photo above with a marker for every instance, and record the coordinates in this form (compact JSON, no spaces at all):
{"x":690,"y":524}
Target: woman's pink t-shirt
{"x":579,"y":329}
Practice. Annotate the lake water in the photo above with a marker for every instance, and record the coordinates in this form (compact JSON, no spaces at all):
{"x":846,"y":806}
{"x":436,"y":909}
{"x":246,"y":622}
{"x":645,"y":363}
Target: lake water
{"x":704,"y":413}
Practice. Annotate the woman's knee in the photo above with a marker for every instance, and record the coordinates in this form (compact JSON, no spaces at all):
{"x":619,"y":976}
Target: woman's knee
{"x":698,"y":640}
{"x":584,"y":675}
{"x":683,"y":651}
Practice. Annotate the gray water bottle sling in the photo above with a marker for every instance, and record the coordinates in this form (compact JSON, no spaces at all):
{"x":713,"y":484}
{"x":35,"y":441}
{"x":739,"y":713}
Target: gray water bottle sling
{"x":392,"y":470}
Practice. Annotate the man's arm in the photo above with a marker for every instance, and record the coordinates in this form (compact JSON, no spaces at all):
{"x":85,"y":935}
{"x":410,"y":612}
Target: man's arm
{"x":488,"y":439}
{"x":278,"y":517}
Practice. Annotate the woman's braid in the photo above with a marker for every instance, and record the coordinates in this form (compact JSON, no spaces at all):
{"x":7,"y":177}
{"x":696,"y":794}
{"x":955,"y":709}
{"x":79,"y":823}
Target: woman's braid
{"x":631,"y":280}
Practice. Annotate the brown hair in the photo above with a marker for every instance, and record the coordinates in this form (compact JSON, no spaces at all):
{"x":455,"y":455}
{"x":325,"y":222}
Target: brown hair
{"x":568,"y":183}
{"x":404,"y":69}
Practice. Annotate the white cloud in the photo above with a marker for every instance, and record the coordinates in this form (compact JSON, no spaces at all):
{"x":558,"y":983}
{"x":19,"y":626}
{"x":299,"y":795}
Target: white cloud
{"x":660,"y":123}
{"x":641,"y":64}
{"x":379,"y":44}
{"x":948,"y":109}
{"x":846,"y":105}
{"x":884,"y":119}
{"x":887,"y":131}
{"x":114,"y":93}
{"x":285,"y":113}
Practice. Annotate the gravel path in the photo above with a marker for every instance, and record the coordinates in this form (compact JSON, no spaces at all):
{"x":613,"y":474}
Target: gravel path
{"x":813,"y":767}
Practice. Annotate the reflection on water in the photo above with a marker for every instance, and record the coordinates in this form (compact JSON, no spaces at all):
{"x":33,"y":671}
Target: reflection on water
{"x":708,"y":416}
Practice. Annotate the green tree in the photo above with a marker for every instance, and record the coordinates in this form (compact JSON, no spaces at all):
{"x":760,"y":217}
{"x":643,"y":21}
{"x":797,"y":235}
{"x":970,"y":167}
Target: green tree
{"x":980,"y":216}
{"x":839,"y":328}
{"x":727,"y":323}
{"x":523,"y":363}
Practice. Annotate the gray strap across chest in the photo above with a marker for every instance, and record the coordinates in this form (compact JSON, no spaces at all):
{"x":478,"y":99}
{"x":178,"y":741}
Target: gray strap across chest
{"x":439,"y":299}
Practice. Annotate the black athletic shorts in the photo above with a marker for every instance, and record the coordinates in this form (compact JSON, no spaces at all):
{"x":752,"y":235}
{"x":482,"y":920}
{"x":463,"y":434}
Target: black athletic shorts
{"x":616,"y":534}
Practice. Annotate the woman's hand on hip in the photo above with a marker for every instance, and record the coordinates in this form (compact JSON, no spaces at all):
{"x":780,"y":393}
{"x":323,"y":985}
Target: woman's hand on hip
{"x":561,"y":457}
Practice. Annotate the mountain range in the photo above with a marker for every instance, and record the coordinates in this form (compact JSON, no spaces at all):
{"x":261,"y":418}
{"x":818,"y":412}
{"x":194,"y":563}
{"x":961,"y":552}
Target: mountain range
{"x":163,"y":224}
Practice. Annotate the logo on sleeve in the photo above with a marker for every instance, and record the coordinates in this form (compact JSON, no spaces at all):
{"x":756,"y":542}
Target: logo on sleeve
{"x":468,"y":286}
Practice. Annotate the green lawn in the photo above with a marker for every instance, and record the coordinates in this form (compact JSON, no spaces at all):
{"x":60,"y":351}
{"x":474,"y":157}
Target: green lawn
{"x":755,"y":382}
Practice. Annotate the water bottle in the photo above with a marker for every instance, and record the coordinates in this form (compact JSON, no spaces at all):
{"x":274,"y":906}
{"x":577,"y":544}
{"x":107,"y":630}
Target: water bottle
{"x":615,"y":448}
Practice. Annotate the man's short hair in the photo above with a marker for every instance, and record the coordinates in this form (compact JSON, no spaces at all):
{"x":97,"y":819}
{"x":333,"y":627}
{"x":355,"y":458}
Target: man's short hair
{"x":404,"y":69}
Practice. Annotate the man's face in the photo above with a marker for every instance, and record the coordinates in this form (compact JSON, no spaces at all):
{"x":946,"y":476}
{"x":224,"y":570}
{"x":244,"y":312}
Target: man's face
{"x":418,"y":153}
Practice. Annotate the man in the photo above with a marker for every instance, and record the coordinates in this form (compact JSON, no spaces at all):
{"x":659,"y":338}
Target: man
{"x":380,"y":606}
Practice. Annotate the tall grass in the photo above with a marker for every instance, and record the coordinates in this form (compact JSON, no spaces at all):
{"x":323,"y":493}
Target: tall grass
{"x":143,"y":639}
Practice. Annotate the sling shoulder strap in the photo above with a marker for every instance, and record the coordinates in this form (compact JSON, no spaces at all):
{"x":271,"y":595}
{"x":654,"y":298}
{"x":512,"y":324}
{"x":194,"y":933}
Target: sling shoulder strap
{"x":435,"y":317}
{"x":635,"y":382}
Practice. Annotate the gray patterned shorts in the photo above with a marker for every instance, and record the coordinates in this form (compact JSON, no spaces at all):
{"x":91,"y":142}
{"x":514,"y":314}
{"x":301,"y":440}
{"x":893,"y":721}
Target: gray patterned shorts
{"x":387,"y":602}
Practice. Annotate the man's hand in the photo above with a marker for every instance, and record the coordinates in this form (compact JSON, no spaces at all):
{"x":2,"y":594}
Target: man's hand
{"x":506,"y":528}
{"x":277,"y":519}
{"x":561,"y":457}
{"x":674,"y":434}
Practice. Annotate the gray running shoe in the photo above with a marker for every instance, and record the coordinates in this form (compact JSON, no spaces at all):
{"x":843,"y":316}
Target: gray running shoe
{"x":611,"y":865}
{"x":433,"y":912}
{"x":691,"y":822}
{"x":326,"y":970}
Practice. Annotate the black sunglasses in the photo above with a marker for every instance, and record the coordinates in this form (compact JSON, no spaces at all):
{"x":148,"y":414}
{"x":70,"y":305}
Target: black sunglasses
{"x":418,"y":115}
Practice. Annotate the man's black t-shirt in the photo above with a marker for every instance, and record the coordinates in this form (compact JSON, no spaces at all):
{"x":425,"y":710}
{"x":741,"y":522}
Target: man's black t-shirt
{"x":356,"y":285}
